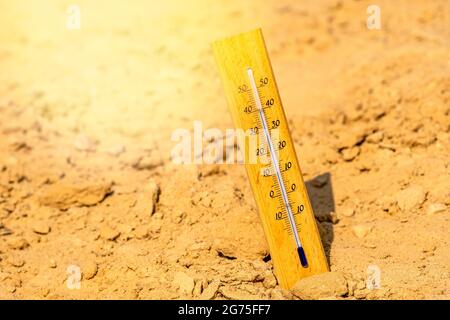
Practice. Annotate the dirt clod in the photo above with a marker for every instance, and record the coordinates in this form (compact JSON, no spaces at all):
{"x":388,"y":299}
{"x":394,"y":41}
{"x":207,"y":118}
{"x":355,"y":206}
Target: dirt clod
{"x":184,"y":283}
{"x":64,"y":196}
{"x":410,"y":198}
{"x":326,"y":285}
{"x":109,"y":233}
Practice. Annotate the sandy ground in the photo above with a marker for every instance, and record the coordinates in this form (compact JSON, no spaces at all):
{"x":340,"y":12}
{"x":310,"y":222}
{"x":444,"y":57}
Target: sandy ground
{"x":86,"y":181}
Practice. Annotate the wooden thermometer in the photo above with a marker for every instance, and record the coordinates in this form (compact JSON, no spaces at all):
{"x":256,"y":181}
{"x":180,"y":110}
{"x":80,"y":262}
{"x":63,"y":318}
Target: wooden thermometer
{"x":277,"y":182}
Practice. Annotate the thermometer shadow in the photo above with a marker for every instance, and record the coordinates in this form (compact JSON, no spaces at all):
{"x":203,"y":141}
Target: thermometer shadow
{"x":320,"y":191}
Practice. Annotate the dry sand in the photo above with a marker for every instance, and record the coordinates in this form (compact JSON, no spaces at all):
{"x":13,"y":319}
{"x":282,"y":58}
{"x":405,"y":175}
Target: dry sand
{"x":85,"y":173}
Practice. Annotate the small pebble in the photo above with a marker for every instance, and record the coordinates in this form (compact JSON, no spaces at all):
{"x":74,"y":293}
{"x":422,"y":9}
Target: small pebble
{"x":361,"y":230}
{"x":109,"y":233}
{"x":41,"y":227}
{"x":334,"y":218}
{"x":141,"y":232}
{"x":52,"y":264}
{"x":89,"y":270}
{"x":350,"y":154}
{"x":16,"y":262}
{"x":347,"y":211}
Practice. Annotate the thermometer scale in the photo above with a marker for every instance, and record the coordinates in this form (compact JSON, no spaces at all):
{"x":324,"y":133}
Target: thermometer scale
{"x":275,"y":177}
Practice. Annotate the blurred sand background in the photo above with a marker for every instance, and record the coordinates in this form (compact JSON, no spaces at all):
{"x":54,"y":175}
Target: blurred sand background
{"x":86,"y":118}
